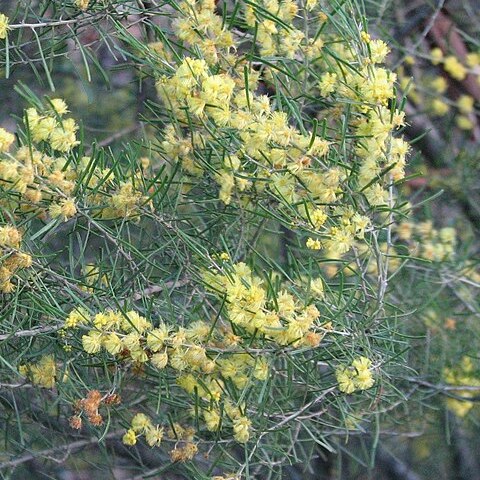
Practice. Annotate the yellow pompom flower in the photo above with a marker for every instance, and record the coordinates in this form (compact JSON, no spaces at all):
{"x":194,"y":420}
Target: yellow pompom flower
{"x":140,"y":423}
{"x":314,"y":244}
{"x":241,"y":429}
{"x":4,"y":26}
{"x":157,"y":337}
{"x":43,"y":373}
{"x":363,"y":379}
{"x":378,"y":51}
{"x":436,"y":55}
{"x":454,"y":68}
{"x":76,"y":317}
{"x":358,"y":376}
{"x":154,"y":436}
{"x":159,"y":360}
{"x":327,"y":84}
{"x":261,"y":370}
{"x":64,"y":210}
{"x":187,"y":382}
{"x":113,"y":343}
{"x":43,"y":128}
{"x":59,"y":106}
{"x":136,"y":322}
{"x":132,"y":341}
{"x":465,"y":104}
{"x":345,"y":380}
{"x":6,"y":140}
{"x":63,"y":138}
{"x":10,"y":237}
{"x":129,"y":438}
{"x":92,"y":343}
{"x":212,"y":419}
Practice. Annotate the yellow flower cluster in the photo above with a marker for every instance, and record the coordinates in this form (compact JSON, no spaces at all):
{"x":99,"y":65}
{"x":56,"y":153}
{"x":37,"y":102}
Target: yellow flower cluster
{"x":41,"y":373}
{"x":50,"y":126}
{"x":369,"y":90}
{"x":338,"y":239}
{"x":462,"y":374}
{"x":37,"y":176}
{"x":285,"y":321}
{"x":43,"y":181}
{"x":215,"y":101}
{"x":12,"y":259}
{"x":199,"y":25}
{"x":357,"y":376}
{"x":278,"y":150}
{"x":197,"y":355}
{"x":428,"y":242}
{"x":277,"y":38}
{"x":433,"y":91}
{"x":142,"y":425}
{"x":125,"y":201}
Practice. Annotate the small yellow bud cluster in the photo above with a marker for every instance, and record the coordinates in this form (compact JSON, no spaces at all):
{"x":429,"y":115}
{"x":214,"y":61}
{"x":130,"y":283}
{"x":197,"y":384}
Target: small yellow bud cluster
{"x":12,"y":259}
{"x":462,"y":374}
{"x":41,"y":373}
{"x":357,"y":376}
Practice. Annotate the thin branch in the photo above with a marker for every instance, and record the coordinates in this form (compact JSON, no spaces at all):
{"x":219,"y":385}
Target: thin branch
{"x":31,"y":333}
{"x":70,"y":448}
